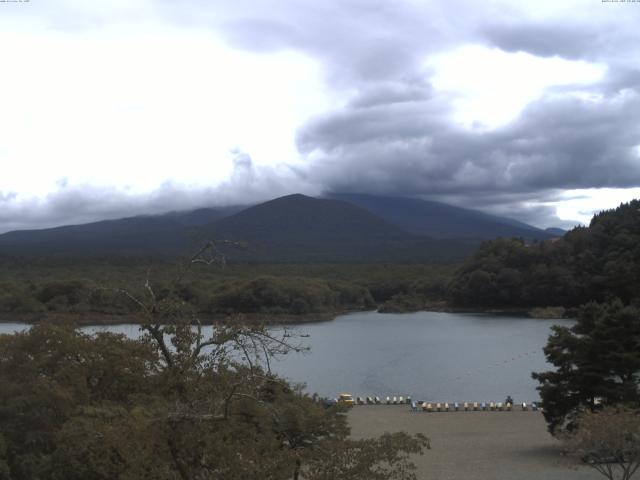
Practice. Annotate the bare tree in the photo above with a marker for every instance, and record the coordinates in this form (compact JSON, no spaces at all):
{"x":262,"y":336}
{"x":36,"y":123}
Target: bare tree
{"x":176,"y":331}
{"x":220,"y":385}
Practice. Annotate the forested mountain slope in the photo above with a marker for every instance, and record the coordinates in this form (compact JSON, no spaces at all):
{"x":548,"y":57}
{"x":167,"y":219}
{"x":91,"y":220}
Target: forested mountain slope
{"x":141,"y":235}
{"x":597,"y":262}
{"x":439,"y":220}
{"x":297,"y":227}
{"x":292,"y":228}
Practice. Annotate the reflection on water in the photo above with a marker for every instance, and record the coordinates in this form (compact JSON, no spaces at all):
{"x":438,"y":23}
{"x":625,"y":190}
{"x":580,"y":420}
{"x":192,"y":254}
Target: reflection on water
{"x":428,"y":355}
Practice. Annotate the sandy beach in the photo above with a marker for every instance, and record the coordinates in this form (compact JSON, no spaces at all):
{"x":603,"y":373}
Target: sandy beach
{"x":475,"y":445}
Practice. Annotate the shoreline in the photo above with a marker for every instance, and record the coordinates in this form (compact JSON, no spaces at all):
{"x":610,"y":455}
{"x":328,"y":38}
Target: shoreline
{"x":90,"y":319}
{"x":546,"y":312}
{"x":94,"y":319}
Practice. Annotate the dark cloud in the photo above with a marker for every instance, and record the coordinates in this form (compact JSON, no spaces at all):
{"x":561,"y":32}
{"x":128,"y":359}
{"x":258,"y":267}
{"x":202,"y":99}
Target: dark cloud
{"x":540,"y":215}
{"x":547,"y":40}
{"x":354,"y":40}
{"x":391,"y":135}
{"x":621,"y":79}
{"x":594,"y":33}
{"x":557,"y":143}
{"x":523,"y":206}
{"x":387,"y":93}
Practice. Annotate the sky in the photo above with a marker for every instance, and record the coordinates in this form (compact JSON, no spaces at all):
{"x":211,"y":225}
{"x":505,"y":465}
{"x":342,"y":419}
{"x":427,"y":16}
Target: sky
{"x":115,"y":108}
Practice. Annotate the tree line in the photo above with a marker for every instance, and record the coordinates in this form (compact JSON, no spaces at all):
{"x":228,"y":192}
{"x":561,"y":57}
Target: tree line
{"x":595,"y":263}
{"x":56,"y":288}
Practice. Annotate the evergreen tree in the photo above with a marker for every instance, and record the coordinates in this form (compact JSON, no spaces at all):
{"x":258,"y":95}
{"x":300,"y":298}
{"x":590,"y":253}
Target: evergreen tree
{"x":595,"y":263}
{"x":597,"y":363}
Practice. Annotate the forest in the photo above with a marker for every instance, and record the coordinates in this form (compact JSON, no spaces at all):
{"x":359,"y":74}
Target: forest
{"x":89,"y":290}
{"x":595,"y":263}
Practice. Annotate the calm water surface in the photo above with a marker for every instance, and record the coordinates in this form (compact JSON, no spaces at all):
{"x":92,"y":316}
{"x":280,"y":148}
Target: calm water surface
{"x":428,"y":355}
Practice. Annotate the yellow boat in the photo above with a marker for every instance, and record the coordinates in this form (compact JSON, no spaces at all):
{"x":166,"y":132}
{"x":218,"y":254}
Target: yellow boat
{"x":346,"y":399}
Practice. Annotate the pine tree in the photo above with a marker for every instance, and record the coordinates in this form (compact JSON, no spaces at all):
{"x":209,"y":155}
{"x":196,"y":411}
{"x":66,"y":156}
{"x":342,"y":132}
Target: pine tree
{"x":597,"y":363}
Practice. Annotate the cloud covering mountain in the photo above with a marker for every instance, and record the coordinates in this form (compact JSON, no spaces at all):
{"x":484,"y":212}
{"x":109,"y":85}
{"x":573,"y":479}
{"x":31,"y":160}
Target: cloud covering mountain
{"x":511,"y":108}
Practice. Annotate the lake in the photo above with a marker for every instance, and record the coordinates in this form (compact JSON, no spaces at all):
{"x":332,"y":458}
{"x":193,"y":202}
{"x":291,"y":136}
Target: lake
{"x":429,"y":355}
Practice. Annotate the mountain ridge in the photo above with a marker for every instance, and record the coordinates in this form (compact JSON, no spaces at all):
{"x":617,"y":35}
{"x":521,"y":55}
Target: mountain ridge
{"x":290,"y":228}
{"x":417,"y":216}
{"x":301,"y":228}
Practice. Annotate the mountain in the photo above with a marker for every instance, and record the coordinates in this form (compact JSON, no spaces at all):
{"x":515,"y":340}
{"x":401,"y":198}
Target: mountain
{"x":201,"y":216}
{"x":439,"y":220}
{"x":141,"y":235}
{"x":556,"y":232}
{"x":297,"y":227}
{"x":293,"y":228}
{"x":301,"y":219}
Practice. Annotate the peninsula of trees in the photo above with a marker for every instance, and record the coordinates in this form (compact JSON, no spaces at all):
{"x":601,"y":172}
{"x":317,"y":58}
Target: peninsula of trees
{"x":595,"y":263}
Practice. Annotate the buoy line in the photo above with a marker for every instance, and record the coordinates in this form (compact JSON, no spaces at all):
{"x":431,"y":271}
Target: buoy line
{"x":503,"y":363}
{"x":428,"y":407}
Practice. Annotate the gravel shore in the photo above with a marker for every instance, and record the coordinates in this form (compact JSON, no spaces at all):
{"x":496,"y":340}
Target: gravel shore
{"x":475,"y":445}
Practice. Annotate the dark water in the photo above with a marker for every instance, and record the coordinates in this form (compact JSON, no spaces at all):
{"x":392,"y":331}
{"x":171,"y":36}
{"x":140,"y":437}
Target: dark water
{"x":430,"y":356}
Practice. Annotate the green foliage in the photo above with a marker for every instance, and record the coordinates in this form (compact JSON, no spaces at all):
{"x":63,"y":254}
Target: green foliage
{"x":17,"y":300}
{"x":70,"y":291}
{"x":383,"y":458}
{"x":598,"y":263}
{"x":510,"y":273}
{"x":295,"y":295}
{"x":88,"y":290}
{"x":403,"y":302}
{"x":597,"y":362}
{"x":4,"y":466}
{"x":175,"y":404}
{"x":74,"y":406}
{"x":48,"y":374}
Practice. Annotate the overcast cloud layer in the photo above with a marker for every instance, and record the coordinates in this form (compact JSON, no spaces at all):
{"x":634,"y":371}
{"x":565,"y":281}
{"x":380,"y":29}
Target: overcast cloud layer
{"x":517,"y":110}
